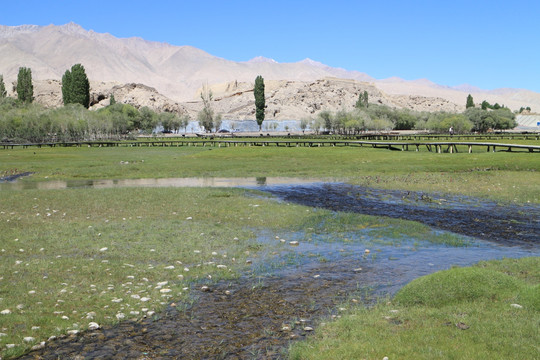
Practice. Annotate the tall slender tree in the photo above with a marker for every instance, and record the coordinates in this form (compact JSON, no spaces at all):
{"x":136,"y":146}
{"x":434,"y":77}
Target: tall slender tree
{"x":25,"y":89}
{"x":206,"y":116}
{"x":76,"y":87}
{"x":470,"y":102}
{"x":259,"y":100}
{"x":66,"y":88}
{"x":3,"y":91}
{"x":363,"y":100}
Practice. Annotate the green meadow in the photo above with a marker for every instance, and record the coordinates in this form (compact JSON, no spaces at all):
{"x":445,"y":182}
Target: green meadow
{"x":74,"y":256}
{"x":507,"y":177}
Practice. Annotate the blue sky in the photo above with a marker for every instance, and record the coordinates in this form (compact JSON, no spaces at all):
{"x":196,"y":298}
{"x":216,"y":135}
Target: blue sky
{"x":489,"y":44}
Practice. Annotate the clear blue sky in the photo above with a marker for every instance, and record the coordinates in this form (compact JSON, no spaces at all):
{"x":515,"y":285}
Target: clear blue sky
{"x":489,"y":44}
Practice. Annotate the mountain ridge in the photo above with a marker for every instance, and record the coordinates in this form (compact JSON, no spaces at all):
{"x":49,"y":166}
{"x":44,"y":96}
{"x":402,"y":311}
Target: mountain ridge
{"x":179,"y":71}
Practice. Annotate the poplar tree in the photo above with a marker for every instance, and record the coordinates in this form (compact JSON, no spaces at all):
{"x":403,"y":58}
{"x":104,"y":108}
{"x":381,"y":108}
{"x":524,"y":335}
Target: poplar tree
{"x":363,"y":100}
{"x":25,"y":89}
{"x":76,"y":87}
{"x":259,"y":100}
{"x":3,"y":92}
{"x":470,"y":102}
{"x":66,"y":87}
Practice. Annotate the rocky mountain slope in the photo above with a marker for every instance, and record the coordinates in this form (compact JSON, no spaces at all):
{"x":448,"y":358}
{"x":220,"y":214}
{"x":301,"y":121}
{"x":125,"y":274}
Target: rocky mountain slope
{"x":167,"y":77}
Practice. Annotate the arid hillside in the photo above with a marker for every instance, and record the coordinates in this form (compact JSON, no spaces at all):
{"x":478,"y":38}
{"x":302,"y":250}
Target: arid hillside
{"x":168,"y":78}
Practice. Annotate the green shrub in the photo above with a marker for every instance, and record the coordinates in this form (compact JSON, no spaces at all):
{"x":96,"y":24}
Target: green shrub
{"x":458,"y":285}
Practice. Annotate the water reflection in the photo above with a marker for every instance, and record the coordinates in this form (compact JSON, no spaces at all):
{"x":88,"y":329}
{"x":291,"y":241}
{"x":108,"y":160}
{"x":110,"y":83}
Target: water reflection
{"x":167,"y":182}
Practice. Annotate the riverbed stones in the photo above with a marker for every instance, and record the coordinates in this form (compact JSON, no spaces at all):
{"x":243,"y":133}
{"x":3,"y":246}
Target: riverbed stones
{"x":39,"y":346}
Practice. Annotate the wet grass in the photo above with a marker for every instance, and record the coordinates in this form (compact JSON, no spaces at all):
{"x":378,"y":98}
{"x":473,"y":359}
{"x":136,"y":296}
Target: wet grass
{"x":489,"y":175}
{"x":461,"y":313}
{"x":74,"y":256}
{"x":356,"y":228}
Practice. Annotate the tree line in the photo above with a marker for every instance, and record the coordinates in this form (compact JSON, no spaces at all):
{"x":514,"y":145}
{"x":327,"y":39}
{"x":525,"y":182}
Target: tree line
{"x":375,"y":117}
{"x":21,"y":120}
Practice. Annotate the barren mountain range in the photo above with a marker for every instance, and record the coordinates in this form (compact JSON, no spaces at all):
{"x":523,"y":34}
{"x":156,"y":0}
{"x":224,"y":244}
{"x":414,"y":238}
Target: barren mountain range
{"x":168,"y":78}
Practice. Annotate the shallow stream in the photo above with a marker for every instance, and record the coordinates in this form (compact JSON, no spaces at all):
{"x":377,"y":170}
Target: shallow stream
{"x":288,"y":292}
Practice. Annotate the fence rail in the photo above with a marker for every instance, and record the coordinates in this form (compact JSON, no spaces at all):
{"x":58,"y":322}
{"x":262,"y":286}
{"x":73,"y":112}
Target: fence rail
{"x":438,"y":147}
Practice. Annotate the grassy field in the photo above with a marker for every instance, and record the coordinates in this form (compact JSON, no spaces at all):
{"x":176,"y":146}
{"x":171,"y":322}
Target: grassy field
{"x":509,"y":177}
{"x":488,"y":311}
{"x":69,"y":257}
